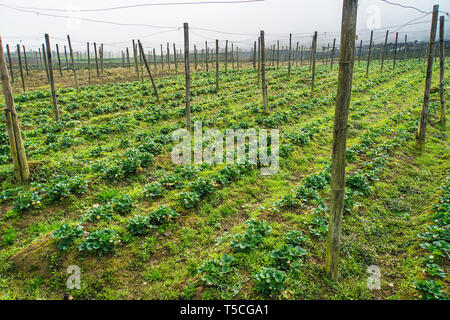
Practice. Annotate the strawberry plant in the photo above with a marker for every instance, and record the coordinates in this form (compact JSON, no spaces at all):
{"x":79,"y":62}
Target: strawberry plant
{"x":270,"y":281}
{"x":66,"y":235}
{"x":101,"y":242}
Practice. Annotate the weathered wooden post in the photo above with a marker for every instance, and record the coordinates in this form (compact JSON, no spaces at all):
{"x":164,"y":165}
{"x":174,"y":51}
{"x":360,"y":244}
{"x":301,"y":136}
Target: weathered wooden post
{"x":67,"y":60}
{"x":314,"y":48}
{"x":297,"y":54}
{"x":263,"y":73}
{"x":101,"y":57}
{"x":359,"y":54}
{"x":154,"y":59}
{"x":96,"y":59}
{"x":370,"y":53}
{"x":406,"y":49}
{"x":148,"y":71}
{"x":168,"y":56}
{"x":237,"y":57}
{"x":52,"y":80}
{"x":384,"y":49}
{"x":195,"y":57}
{"x":421,"y":50}
{"x":162,"y":58}
{"x":187,"y":76}
{"x":19,"y":158}
{"x":128,"y":58}
{"x":232,"y":55}
{"x":420,"y":136}
{"x":175,"y":58}
{"x":36,"y":56}
{"x":332,"y":53}
{"x":259,"y":59}
{"x":20,"y":67}
{"x":442,"y":119}
{"x":135,"y":58}
{"x":289,"y":54}
{"x":25,"y":58}
{"x":59,"y":60}
{"x":89,"y":63}
{"x":206,"y":57}
{"x":40,"y":58}
{"x":278,"y":54}
{"x":301,"y":57}
{"x":73,"y":63}
{"x":45,"y":63}
{"x":217,"y":65}
{"x":346,"y":61}
{"x":254,"y":56}
{"x":395,"y":50}
{"x":11,"y":72}
{"x":226,"y":56}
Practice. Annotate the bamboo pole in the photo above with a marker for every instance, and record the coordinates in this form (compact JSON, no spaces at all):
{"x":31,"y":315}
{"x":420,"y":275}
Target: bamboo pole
{"x":187,"y":76}
{"x":421,"y":132}
{"x":346,"y":62}
{"x":52,"y":79}
{"x":18,"y":155}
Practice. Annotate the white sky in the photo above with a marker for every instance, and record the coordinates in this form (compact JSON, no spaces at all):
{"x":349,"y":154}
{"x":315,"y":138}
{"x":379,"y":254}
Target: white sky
{"x":277,"y":17}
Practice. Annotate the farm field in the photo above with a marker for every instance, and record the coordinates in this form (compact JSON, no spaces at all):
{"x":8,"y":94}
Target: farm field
{"x":105,"y":195}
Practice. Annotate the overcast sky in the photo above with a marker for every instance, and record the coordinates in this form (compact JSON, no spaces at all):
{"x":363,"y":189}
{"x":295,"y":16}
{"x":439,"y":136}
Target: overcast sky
{"x":277,"y":17}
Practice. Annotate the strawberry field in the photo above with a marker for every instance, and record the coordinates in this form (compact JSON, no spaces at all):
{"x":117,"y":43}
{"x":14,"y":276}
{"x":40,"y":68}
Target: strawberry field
{"x":105,"y":195}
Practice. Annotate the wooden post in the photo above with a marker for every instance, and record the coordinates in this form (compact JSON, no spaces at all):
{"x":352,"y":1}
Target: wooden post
{"x":59,"y":60}
{"x":332,"y":53}
{"x":20,"y":67}
{"x":237,"y":57}
{"x":395,"y":50}
{"x":289,"y":54}
{"x":370,"y":53}
{"x":314,"y":48}
{"x":384,"y":49}
{"x":421,"y":50}
{"x":254,"y":56}
{"x":442,"y":119}
{"x":359,"y":54}
{"x":259,"y":59}
{"x":26,"y":60}
{"x":278,"y":54}
{"x":136,"y":65}
{"x":217,"y":65}
{"x":195,"y":57}
{"x":296,"y":54}
{"x":73,"y":63}
{"x":45,"y":63}
{"x":406,"y":49}
{"x":89,"y":63}
{"x":128,"y":58}
{"x":263,"y":73}
{"x":101,"y":57}
{"x":52,"y":80}
{"x":40,"y":58}
{"x":175,"y":58}
{"x":162,"y":58}
{"x":154,"y":58}
{"x":346,"y":61}
{"x":301,"y":57}
{"x":226,"y":56}
{"x":148,"y":71}
{"x":420,"y":136}
{"x":206,"y":57}
{"x":168,"y":56}
{"x":11,"y":72}
{"x":19,"y":158}
{"x":232,"y":55}
{"x":187,"y":76}
{"x":37,"y":60}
